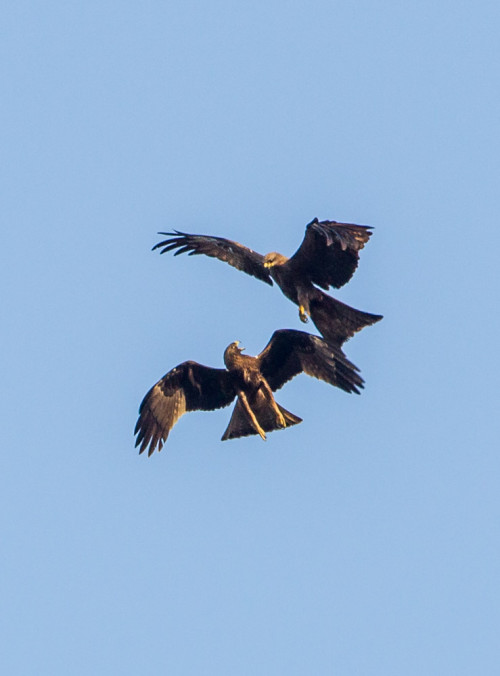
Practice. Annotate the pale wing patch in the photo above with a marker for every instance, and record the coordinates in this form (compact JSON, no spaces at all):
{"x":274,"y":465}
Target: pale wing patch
{"x":159,"y":413}
{"x":166,"y":409}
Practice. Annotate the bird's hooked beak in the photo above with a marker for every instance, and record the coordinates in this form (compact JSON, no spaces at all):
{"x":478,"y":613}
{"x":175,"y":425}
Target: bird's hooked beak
{"x":237,"y":343}
{"x":268,"y":260}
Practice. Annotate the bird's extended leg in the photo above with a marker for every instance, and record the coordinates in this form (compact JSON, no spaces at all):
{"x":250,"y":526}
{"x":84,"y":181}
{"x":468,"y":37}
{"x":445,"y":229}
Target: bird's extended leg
{"x":251,"y":415}
{"x":304,"y":311}
{"x":274,"y":405}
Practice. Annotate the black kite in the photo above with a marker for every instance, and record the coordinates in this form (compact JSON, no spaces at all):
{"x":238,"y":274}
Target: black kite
{"x":328,"y":256}
{"x":252,"y":380}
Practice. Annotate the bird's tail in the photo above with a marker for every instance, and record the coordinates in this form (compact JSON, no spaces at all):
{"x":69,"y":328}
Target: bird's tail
{"x":262,"y":414}
{"x":336,"y":321}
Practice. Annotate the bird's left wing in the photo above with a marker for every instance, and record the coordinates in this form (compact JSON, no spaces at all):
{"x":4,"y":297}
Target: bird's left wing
{"x":329,"y":252}
{"x":237,"y":255}
{"x":188,"y":387}
{"x":290,"y":352}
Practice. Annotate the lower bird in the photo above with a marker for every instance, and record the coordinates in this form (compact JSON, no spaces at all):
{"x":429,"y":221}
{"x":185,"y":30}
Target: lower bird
{"x":251,"y":380}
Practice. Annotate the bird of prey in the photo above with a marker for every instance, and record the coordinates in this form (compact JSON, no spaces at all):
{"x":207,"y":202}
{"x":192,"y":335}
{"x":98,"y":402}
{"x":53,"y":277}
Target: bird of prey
{"x":328,"y":256}
{"x":251,"y":380}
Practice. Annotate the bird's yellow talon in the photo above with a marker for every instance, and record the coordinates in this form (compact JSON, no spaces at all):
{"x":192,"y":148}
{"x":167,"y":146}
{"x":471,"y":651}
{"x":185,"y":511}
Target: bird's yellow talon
{"x":303,"y":314}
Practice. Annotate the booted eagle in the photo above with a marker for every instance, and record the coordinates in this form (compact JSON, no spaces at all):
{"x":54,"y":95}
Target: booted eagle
{"x":328,"y":256}
{"x":251,"y":380}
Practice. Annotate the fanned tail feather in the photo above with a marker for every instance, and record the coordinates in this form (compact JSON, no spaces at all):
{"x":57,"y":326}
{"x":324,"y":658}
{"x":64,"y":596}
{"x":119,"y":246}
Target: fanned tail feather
{"x":336,"y":321}
{"x":241,"y":425}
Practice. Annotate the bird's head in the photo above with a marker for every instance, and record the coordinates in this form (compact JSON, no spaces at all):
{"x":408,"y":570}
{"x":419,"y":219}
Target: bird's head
{"x":274,"y":258}
{"x":233,"y":350}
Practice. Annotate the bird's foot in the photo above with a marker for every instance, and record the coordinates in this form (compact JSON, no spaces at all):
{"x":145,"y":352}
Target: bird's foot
{"x":281,"y":419}
{"x":303,"y":314}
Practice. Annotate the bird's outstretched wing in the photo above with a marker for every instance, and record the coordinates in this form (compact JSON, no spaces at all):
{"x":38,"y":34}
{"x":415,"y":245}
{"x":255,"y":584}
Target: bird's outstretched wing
{"x":188,"y":387}
{"x":291,"y":352}
{"x":329,"y":252}
{"x":237,"y":255}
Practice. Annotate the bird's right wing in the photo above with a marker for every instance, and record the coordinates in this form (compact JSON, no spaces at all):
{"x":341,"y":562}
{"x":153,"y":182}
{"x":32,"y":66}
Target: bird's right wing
{"x":291,"y":352}
{"x":237,"y":255}
{"x":329,"y":253}
{"x":188,"y":387}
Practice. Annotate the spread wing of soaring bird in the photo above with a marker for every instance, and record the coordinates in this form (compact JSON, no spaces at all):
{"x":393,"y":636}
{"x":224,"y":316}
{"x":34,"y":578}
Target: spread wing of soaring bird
{"x":188,"y":387}
{"x":291,"y":352}
{"x":239,"y":256}
{"x":329,"y":253}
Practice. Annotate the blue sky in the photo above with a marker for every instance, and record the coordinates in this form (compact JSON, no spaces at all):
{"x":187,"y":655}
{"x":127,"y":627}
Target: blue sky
{"x":366,"y":539}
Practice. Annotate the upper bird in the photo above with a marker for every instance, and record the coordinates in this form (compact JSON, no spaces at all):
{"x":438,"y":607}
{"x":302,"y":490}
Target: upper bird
{"x":192,"y":387}
{"x":328,"y":256}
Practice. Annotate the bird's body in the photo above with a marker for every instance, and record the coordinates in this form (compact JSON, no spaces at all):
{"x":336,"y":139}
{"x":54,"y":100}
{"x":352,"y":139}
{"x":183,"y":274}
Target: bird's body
{"x":256,"y":410}
{"x":299,"y":290}
{"x":251,"y":380}
{"x":328,"y":256}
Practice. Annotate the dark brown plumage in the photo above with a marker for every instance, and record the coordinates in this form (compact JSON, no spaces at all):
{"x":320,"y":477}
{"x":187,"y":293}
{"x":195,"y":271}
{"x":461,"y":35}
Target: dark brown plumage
{"x":252,"y":380}
{"x":328,"y":256}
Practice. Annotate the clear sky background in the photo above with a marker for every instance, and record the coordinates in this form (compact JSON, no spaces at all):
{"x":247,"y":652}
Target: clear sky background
{"x":366,"y":539}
